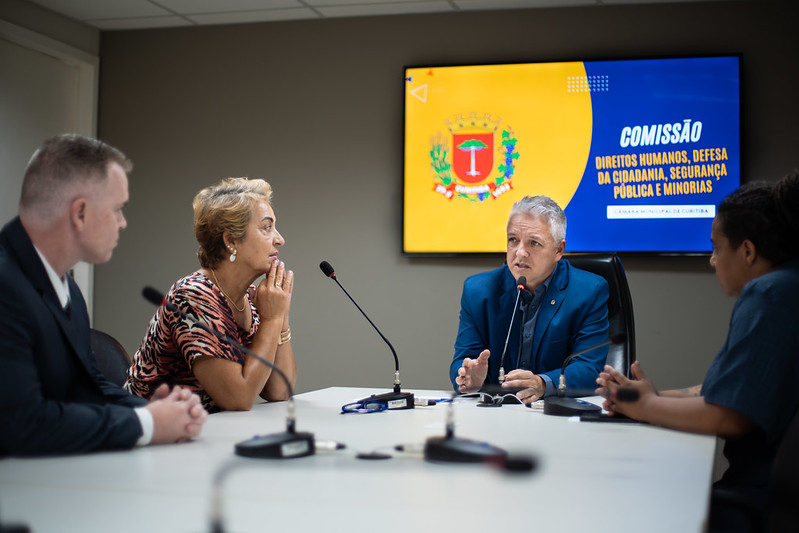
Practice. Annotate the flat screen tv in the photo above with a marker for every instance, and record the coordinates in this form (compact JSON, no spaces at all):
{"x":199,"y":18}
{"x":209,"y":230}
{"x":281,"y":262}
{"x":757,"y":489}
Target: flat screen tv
{"x":638,"y":153}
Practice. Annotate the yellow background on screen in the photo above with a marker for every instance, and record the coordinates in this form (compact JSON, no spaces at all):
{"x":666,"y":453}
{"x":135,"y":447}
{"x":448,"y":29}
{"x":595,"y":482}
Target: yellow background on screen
{"x":551,"y":124}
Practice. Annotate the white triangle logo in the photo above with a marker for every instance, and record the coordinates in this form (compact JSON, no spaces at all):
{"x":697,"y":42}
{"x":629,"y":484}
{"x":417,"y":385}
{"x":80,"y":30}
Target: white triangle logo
{"x":420,"y":93}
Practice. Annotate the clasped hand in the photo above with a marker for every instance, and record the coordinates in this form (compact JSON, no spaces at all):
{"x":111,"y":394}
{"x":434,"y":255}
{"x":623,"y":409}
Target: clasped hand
{"x":611,"y":380}
{"x":273,"y":295}
{"x":178,"y":415}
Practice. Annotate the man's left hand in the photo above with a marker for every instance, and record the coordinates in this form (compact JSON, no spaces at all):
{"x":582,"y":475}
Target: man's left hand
{"x":534,"y":386}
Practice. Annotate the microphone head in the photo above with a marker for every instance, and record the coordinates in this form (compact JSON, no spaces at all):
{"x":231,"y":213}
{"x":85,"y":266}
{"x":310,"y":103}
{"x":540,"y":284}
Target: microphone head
{"x":627,"y":394}
{"x":157,"y":299}
{"x":153,"y":296}
{"x":327,"y":269}
{"x":521,"y":283}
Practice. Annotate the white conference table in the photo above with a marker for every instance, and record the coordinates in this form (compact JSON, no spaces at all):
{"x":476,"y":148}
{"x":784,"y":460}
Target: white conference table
{"x":590,"y":476}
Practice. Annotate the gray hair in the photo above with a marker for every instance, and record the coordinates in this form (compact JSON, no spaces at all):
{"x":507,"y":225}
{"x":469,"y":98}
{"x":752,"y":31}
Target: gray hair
{"x":545,"y":207}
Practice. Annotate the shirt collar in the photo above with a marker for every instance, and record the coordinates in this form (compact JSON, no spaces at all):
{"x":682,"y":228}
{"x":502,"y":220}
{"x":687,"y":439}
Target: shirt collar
{"x":538,"y":294}
{"x":60,"y":285}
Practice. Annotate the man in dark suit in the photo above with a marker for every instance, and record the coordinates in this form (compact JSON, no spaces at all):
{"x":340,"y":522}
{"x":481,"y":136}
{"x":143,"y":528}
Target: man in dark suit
{"x":53,"y":398}
{"x":568,"y":312}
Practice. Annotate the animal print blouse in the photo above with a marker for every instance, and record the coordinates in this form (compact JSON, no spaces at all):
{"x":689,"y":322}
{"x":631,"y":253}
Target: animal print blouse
{"x":172,"y":343}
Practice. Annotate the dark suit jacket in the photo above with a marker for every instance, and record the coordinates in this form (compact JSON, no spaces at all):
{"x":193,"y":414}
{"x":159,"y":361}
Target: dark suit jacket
{"x":573,"y":316}
{"x":53,"y":398}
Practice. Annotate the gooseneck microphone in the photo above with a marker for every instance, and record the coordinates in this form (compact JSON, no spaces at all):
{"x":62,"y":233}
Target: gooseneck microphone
{"x":627,"y":394}
{"x":14,"y":528}
{"x":284,"y":445}
{"x":521,"y":286}
{"x":396,"y":399}
{"x":222,"y":473}
{"x":560,"y":405}
{"x":452,"y":449}
{"x":615,"y":339}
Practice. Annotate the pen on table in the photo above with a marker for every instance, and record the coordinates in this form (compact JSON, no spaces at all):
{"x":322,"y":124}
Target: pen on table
{"x":424,"y":401}
{"x":410,"y":448}
{"x":328,"y":445}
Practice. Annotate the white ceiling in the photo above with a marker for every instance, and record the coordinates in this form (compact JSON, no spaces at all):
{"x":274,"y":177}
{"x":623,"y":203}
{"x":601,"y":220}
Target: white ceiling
{"x":137,"y":14}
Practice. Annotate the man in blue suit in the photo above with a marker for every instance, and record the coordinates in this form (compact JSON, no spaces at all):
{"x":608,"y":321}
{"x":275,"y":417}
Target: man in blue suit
{"x":568,"y":312}
{"x":53,"y":398}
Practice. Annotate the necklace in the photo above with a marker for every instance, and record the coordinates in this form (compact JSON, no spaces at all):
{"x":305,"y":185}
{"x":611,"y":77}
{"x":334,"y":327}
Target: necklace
{"x":239,"y":309}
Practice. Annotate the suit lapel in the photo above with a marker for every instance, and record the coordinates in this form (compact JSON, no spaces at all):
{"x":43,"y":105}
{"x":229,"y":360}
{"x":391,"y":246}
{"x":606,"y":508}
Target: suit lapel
{"x":20,"y":245}
{"x":506,"y":301}
{"x":507,"y":290}
{"x":73,"y":323}
{"x":551,"y":303}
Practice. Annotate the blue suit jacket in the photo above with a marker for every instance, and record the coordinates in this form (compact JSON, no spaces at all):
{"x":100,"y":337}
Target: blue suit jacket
{"x":53,"y":398}
{"x":573,"y":316}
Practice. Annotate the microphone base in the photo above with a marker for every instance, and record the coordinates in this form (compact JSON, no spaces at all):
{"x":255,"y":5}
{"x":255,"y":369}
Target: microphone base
{"x":458,"y":450}
{"x":15,"y":528}
{"x":394,"y":400}
{"x":285,"y":445}
{"x":561,"y":406}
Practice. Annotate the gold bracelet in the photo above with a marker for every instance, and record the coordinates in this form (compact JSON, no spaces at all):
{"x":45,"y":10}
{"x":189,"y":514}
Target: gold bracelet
{"x":285,"y":336}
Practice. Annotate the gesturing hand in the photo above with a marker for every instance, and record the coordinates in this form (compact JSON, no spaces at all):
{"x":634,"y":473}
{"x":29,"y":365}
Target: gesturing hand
{"x":473,"y":373}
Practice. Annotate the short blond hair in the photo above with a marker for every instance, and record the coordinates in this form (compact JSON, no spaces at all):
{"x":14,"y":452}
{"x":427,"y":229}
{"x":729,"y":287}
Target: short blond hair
{"x":225,"y":207}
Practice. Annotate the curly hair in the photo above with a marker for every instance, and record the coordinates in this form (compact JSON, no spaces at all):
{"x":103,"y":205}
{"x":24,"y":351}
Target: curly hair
{"x":766,"y":214}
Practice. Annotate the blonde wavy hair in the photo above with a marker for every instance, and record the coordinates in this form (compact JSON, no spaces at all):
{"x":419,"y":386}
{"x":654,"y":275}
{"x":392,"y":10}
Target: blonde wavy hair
{"x":225,"y":207}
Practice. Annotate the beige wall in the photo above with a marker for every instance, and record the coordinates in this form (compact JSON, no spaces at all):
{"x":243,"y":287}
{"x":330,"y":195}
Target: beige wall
{"x":50,"y":24}
{"x":316,"y":108}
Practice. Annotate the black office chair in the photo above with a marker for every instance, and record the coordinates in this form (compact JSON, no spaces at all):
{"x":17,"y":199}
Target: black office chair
{"x":111,"y":356}
{"x":782,"y":513}
{"x":620,"y":305}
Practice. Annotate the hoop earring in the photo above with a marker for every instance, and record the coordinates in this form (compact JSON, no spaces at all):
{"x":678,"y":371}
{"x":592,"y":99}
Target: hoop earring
{"x":233,"y":256}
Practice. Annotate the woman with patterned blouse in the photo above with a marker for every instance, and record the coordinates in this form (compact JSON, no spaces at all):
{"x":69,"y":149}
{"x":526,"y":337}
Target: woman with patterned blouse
{"x":235,"y":226}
